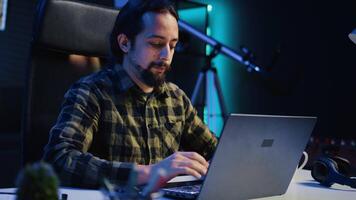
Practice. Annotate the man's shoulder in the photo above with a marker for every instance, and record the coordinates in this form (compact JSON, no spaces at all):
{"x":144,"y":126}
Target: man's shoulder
{"x":97,"y":79}
{"x":96,"y":85}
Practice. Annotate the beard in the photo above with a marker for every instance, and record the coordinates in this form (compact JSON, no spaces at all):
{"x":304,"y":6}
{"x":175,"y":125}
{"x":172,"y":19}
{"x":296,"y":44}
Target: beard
{"x":152,"y":79}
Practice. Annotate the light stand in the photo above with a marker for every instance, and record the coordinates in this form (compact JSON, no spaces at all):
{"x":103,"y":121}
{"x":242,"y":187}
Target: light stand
{"x":245,"y":60}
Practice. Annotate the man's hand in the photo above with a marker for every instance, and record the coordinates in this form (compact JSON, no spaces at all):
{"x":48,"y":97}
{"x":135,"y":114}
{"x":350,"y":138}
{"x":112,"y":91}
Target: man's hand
{"x":189,"y":163}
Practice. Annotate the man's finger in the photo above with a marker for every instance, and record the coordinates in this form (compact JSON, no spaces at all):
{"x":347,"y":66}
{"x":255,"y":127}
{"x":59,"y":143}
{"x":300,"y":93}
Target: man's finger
{"x":197,"y":157}
{"x":196,"y":166}
{"x":189,"y":171}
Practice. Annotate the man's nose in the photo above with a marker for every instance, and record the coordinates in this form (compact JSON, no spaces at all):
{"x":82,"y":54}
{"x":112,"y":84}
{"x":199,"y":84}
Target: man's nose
{"x":165,"y":53}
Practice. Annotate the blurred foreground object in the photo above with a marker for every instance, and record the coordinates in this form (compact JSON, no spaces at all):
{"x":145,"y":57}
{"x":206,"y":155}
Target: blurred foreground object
{"x":37,"y":182}
{"x":132,"y":191}
{"x":3,"y":9}
{"x":352,"y":36}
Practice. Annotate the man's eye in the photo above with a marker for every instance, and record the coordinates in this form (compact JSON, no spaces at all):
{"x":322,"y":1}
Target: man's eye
{"x":156,"y":44}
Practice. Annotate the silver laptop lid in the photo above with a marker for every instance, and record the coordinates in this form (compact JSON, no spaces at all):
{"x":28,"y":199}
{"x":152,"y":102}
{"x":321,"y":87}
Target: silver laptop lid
{"x":256,"y":156}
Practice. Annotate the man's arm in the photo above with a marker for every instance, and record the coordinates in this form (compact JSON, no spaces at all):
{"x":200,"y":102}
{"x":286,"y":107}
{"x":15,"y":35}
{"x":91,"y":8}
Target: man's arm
{"x":71,"y":137}
{"x":196,"y":135}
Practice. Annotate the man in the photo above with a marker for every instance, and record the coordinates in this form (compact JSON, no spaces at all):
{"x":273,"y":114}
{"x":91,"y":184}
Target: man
{"x":126,"y":117}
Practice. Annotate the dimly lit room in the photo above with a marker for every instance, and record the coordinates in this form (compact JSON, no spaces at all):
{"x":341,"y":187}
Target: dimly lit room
{"x":177,"y":99}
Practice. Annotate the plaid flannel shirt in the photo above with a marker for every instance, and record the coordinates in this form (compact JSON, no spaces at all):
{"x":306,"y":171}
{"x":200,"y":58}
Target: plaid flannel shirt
{"x":107,"y":124}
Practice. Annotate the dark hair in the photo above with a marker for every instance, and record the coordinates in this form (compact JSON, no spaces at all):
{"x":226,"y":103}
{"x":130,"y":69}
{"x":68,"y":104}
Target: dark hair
{"x":129,"y":21}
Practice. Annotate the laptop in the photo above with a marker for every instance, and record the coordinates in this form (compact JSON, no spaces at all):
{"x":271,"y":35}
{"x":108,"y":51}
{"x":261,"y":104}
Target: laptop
{"x":256,"y":157}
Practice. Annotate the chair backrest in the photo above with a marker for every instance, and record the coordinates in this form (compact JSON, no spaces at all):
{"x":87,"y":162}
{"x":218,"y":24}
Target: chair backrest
{"x":61,"y":27}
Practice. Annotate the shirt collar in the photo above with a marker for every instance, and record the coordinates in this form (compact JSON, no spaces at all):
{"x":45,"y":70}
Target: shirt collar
{"x":125,"y":82}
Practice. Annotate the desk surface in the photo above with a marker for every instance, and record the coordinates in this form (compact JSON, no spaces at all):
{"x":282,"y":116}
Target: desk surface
{"x":302,"y":187}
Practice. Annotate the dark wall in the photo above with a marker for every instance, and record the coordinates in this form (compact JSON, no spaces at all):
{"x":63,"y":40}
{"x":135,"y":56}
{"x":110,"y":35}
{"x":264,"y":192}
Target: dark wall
{"x":14,"y":49}
{"x":312,"y":74}
{"x":315,"y":69}
{"x":14,"y":42}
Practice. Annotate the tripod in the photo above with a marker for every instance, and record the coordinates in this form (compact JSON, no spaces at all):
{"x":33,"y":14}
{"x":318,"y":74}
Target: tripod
{"x":209,"y":71}
{"x":207,"y":74}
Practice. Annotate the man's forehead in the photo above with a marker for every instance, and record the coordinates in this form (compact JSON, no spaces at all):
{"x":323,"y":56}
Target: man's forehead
{"x":161,"y":25}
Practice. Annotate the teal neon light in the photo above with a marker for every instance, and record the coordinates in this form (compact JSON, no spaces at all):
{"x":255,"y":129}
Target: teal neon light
{"x":210,"y":8}
{"x":220,"y":12}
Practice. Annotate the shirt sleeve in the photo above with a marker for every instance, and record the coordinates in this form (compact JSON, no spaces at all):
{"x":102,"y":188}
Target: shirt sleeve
{"x":71,"y":137}
{"x":196,"y":135}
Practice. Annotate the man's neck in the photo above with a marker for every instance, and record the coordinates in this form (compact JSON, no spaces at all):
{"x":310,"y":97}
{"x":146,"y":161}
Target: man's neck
{"x":144,"y":87}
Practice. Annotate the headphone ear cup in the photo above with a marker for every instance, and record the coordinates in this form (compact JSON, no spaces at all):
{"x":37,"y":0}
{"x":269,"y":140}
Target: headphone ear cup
{"x":344,"y":166}
{"x":322,"y":170}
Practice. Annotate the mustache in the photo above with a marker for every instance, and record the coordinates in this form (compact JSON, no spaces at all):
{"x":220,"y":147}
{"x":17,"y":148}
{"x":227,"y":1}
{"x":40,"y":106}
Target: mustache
{"x":159,"y":64}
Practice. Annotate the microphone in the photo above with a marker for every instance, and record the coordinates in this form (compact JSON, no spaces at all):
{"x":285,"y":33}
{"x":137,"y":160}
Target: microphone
{"x":352,"y":36}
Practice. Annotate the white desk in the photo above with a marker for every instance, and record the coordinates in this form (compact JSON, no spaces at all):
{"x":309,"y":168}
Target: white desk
{"x":302,"y":187}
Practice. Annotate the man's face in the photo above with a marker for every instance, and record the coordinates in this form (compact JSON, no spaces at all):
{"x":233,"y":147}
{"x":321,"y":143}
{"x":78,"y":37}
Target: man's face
{"x":153,"y":49}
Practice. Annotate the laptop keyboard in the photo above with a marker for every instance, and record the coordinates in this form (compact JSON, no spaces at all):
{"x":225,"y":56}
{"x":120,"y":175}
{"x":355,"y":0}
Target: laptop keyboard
{"x":188,"y":192}
{"x":189,"y":188}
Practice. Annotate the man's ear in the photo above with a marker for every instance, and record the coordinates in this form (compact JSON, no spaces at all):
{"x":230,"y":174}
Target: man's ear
{"x":124,"y":43}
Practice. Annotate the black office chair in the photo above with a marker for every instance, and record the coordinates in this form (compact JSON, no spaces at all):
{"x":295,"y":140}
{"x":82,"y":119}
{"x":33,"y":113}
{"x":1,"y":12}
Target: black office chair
{"x":61,"y":27}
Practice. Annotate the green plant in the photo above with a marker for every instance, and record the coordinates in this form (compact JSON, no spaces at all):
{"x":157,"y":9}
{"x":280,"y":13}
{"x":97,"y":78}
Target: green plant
{"x":37,"y":182}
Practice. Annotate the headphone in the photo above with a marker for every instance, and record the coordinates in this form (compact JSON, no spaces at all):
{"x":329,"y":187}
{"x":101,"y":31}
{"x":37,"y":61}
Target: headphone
{"x":329,"y":170}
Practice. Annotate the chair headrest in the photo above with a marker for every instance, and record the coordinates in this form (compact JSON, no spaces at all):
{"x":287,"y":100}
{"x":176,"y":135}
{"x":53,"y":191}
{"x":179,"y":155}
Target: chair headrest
{"x":74,"y":27}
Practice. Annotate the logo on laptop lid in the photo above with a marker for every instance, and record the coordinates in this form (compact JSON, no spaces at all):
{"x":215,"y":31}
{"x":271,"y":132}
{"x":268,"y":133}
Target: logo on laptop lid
{"x":267,"y":143}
